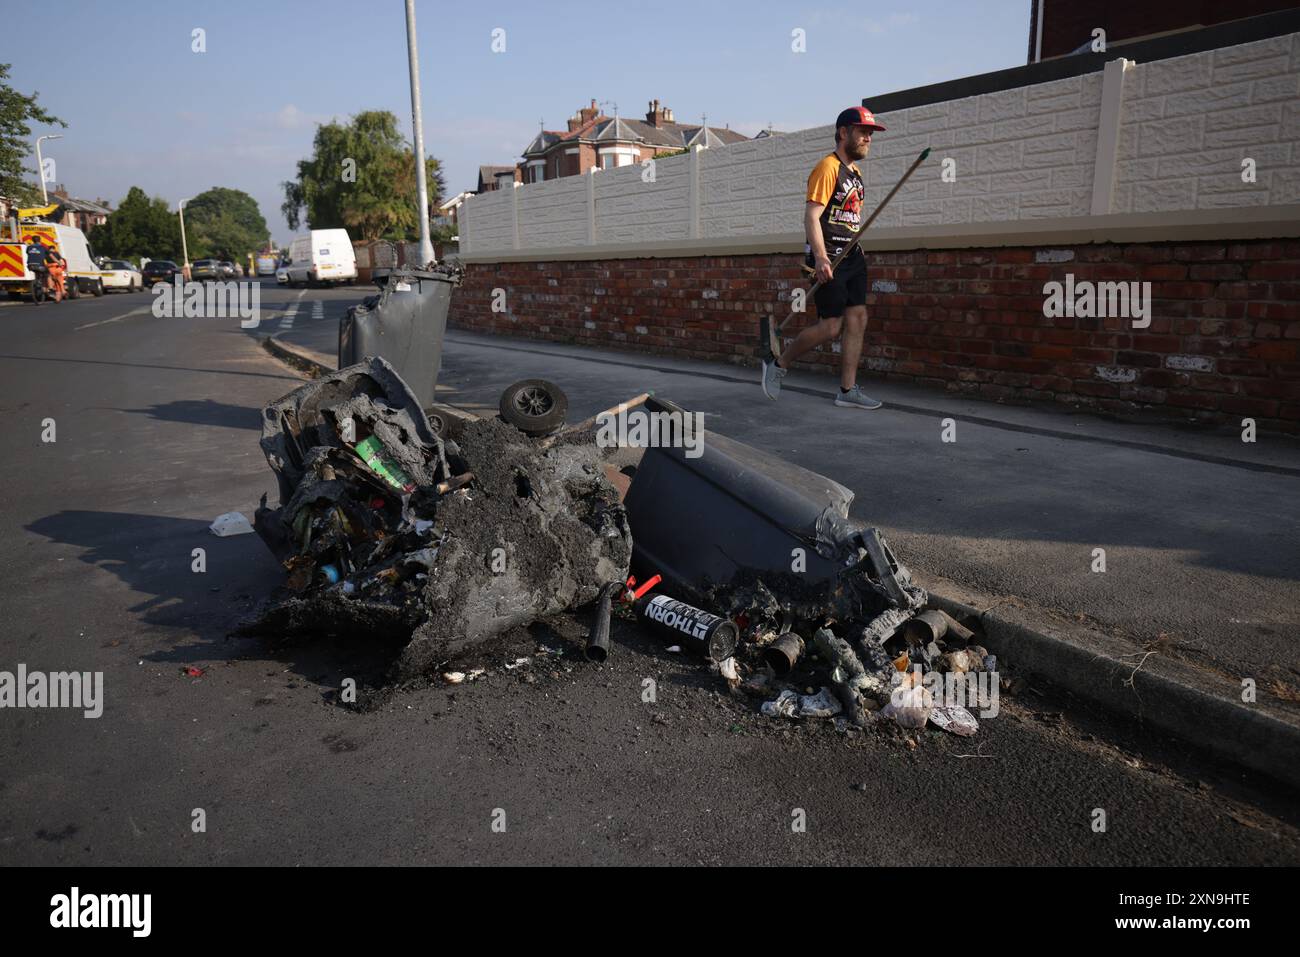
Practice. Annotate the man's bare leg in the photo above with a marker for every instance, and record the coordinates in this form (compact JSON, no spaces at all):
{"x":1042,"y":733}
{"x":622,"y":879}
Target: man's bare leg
{"x":855,"y":325}
{"x":810,"y":338}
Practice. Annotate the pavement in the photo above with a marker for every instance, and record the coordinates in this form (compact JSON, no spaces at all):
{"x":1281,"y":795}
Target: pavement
{"x":157,"y":426}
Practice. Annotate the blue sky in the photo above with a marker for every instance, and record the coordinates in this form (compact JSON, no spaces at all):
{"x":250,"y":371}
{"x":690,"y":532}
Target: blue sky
{"x":143,"y":109}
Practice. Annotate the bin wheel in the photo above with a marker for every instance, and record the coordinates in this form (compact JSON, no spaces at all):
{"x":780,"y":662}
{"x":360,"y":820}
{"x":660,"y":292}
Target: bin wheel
{"x":438,"y":424}
{"x":534,"y":406}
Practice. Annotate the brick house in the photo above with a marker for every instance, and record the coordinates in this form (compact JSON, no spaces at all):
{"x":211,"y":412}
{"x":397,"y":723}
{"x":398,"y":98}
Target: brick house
{"x":595,"y":140}
{"x":82,"y":214}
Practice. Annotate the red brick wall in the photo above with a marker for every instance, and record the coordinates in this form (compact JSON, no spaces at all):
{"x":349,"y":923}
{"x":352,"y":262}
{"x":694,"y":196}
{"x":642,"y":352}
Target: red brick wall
{"x":1224,"y":339}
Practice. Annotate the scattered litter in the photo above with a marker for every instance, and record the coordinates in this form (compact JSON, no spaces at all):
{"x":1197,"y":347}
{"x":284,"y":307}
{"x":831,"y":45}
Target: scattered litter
{"x":189,"y":671}
{"x":791,"y":704}
{"x":674,"y":649}
{"x":911,"y":703}
{"x":231,"y":523}
{"x":517,"y":663}
{"x":453,"y":677}
{"x":821,"y":705}
{"x":960,"y":662}
{"x":956,"y":720}
{"x":784,"y":705}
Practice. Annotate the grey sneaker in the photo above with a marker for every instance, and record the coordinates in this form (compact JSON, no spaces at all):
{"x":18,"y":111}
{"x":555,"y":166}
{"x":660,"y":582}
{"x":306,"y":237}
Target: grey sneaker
{"x":855,"y":398}
{"x":772,"y":376}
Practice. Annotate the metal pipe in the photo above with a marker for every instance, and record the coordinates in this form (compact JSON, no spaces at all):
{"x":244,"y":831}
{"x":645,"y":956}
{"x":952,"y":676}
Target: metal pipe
{"x":957,"y":629}
{"x":783,"y":653}
{"x":926,"y":627}
{"x":417,"y":123}
{"x":1038,"y":30}
{"x":40,"y":164}
{"x":185,"y":249}
{"x":598,"y":640}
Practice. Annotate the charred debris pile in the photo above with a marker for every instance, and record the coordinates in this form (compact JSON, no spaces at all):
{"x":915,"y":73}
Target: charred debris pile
{"x":387,"y":530}
{"x":435,"y":543}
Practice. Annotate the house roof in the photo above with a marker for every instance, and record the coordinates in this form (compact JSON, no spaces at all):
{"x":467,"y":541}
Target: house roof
{"x":459,"y":197}
{"x":83,"y":205}
{"x":487,"y":176}
{"x":615,"y":129}
{"x":606,"y":129}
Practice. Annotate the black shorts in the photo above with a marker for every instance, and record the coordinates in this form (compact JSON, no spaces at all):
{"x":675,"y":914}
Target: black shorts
{"x":848,"y":287}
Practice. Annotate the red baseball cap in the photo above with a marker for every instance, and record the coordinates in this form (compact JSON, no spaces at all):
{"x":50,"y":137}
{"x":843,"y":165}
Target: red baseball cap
{"x":857,"y":116}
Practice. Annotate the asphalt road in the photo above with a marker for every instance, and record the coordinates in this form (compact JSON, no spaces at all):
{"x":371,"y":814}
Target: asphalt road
{"x":157,"y":425}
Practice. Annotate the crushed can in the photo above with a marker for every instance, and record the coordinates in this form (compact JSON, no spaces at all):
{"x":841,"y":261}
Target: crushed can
{"x":679,"y":623}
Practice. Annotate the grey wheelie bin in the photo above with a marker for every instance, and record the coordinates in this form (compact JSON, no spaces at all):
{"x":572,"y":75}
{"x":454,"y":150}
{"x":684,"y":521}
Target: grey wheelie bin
{"x":404,"y":325}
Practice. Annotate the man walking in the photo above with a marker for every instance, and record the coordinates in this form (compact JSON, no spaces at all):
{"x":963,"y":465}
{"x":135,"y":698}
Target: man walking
{"x":832,"y":218}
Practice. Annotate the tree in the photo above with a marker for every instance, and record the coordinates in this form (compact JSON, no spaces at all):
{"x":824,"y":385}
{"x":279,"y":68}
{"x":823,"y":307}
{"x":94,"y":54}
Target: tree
{"x":223,"y":223}
{"x":140,"y":226}
{"x":361,"y":176}
{"x":15,"y":135}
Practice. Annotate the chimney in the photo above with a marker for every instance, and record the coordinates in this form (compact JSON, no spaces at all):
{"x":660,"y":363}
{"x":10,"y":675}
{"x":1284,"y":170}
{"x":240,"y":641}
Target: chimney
{"x":657,"y":115}
{"x":584,"y":115}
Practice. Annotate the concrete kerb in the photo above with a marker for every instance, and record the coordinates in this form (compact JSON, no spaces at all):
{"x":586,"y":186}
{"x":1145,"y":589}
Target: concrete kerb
{"x":1154,"y":690}
{"x":301,"y":359}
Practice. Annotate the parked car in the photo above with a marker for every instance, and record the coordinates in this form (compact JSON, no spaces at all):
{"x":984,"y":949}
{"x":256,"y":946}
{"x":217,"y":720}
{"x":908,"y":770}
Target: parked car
{"x":322,"y":256}
{"x":160,"y":270}
{"x":206,"y":269}
{"x":228,"y":270}
{"x":120,"y":274}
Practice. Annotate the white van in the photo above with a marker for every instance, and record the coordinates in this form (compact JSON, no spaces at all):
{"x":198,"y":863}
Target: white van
{"x":323,"y":256}
{"x":83,"y":276}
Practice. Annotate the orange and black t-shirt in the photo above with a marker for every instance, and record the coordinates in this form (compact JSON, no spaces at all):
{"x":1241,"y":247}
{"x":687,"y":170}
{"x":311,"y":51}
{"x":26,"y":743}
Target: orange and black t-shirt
{"x":839,"y":188}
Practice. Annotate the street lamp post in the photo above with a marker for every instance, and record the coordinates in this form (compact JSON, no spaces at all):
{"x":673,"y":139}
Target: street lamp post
{"x":185,"y":249}
{"x":421,"y":183}
{"x":40,"y":164}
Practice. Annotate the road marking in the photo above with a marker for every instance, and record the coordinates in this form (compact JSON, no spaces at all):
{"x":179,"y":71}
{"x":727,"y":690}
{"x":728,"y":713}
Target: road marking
{"x":138,"y":311}
{"x":318,"y":310}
